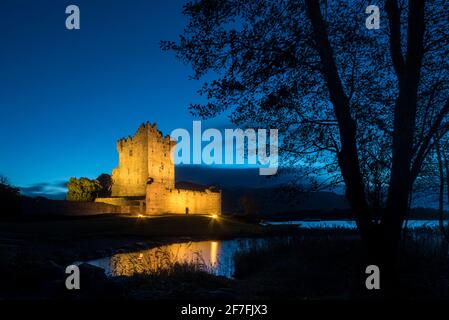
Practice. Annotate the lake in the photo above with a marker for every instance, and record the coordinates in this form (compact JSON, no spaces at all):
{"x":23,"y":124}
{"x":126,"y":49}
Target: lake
{"x":215,"y":257}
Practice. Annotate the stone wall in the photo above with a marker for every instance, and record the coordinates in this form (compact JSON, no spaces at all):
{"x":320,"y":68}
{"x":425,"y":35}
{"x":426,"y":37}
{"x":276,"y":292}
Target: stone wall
{"x":146,"y":154}
{"x":161,"y":200}
{"x":120,"y":201}
{"x":129,"y":205}
{"x":43,"y":206}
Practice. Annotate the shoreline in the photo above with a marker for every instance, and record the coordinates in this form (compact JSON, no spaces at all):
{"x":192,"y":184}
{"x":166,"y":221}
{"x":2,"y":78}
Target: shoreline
{"x":67,"y":247}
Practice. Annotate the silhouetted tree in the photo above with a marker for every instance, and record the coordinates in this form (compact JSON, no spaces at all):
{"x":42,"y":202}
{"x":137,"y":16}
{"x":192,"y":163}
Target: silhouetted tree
{"x":105,"y":181}
{"x":361,"y":106}
{"x":441,"y":150}
{"x":9,"y":198}
{"x":83,"y":189}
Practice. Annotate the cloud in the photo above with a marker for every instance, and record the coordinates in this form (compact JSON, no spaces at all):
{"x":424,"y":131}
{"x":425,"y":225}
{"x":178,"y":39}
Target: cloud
{"x":51,"y":190}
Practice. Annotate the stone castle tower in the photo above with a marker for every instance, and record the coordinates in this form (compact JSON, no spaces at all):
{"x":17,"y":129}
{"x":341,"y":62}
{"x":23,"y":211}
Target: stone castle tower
{"x":144,"y":180}
{"x":142,"y":157}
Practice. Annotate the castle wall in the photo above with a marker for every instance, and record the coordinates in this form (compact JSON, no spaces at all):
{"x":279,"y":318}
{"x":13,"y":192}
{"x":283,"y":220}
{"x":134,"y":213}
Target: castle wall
{"x":37,"y":206}
{"x":160,"y":165}
{"x":162,"y":200}
{"x":146,"y":154}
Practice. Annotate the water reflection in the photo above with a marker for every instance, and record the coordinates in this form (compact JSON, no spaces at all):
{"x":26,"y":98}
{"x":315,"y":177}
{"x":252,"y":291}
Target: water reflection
{"x":213,"y":252}
{"x":212,"y":256}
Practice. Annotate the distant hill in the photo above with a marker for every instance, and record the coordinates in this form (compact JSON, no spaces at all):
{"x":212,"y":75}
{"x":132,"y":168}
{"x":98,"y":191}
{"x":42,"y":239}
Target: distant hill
{"x":228,"y":177}
{"x":268,"y":201}
{"x":245,"y":184}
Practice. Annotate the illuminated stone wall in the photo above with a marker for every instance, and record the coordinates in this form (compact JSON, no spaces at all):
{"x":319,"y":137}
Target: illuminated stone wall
{"x":128,"y":205}
{"x":146,"y":170}
{"x":146,"y":154}
{"x":161,"y":199}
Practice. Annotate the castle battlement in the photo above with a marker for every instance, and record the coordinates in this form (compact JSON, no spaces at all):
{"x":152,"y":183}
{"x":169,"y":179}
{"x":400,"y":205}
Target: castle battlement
{"x":146,"y":128}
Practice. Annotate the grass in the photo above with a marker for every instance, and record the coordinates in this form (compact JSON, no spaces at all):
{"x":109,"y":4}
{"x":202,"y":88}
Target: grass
{"x":173,"y":280}
{"x":332,"y":266}
{"x":174,"y":226}
{"x":301,"y":268}
{"x":161,"y":261}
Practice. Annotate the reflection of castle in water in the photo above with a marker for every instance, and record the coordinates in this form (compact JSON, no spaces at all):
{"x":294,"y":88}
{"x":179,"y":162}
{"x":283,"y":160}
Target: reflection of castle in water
{"x":203,"y":254}
{"x":215,"y":257}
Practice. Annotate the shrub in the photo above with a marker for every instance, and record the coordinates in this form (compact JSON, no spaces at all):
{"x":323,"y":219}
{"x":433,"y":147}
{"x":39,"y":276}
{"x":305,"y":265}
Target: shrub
{"x":83,"y":189}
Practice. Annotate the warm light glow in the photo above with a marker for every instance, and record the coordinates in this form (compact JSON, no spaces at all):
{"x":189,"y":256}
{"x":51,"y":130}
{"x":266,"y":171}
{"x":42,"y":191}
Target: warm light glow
{"x":140,"y":216}
{"x":214,"y":216}
{"x":213,"y":253}
{"x":164,"y":257}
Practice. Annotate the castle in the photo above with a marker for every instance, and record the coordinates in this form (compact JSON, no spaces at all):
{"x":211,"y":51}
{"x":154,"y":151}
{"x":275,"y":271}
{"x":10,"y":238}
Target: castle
{"x":144,"y":180}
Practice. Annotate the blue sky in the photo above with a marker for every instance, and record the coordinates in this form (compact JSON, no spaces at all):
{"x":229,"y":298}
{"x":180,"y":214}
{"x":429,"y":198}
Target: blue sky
{"x":66,"y":96}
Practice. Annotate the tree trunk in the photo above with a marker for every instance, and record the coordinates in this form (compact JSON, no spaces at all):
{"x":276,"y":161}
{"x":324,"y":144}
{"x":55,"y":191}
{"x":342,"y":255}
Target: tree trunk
{"x":408,"y":74}
{"x":348,"y":159}
{"x":443,"y":166}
